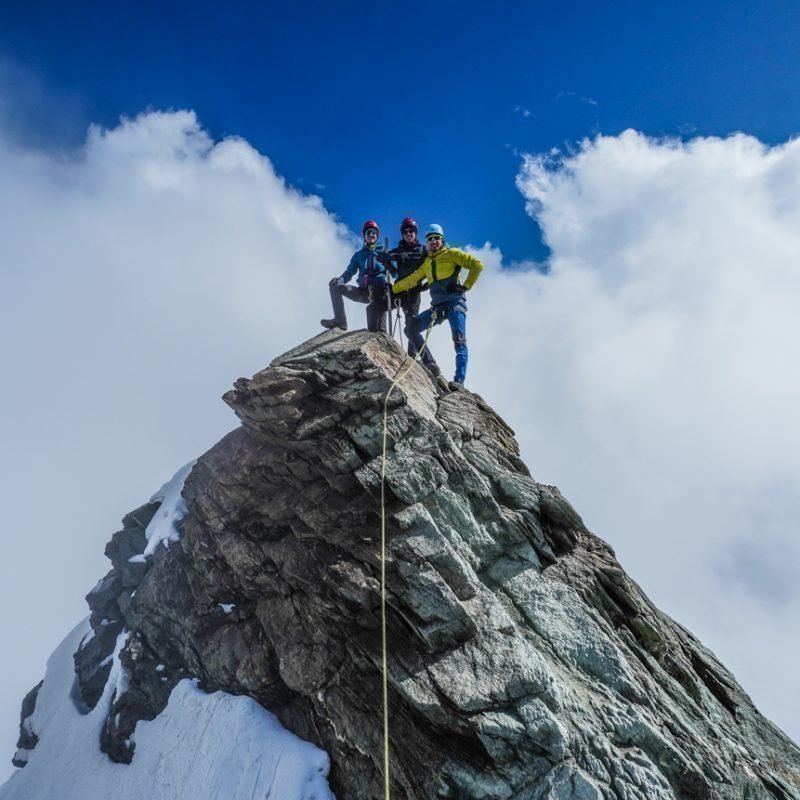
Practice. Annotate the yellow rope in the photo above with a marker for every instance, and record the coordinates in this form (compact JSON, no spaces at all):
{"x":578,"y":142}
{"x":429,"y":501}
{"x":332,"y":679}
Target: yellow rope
{"x":384,"y":648}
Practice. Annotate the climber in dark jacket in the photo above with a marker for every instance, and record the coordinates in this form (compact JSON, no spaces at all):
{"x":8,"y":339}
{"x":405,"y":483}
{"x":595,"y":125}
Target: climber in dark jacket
{"x":372,"y":285}
{"x":402,"y":261}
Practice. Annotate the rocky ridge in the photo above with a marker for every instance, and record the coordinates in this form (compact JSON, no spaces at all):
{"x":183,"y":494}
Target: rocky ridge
{"x":523,"y":661}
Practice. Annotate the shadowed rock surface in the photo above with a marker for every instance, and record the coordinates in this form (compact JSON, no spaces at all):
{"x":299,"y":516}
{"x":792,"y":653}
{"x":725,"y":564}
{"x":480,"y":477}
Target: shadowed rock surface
{"x":523,"y":661}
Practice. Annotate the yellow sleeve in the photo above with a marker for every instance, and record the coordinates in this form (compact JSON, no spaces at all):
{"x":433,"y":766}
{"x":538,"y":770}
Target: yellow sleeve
{"x":410,"y":280}
{"x":473,"y":265}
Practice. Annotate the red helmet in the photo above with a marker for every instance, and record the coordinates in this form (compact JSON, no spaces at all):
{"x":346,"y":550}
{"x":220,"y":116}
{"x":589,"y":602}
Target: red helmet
{"x":407,"y":223}
{"x":370,"y":223}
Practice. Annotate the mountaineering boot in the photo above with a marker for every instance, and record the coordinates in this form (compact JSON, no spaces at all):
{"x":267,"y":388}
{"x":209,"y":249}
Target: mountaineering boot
{"x":436,"y":373}
{"x":333,"y":323}
{"x":456,"y":386}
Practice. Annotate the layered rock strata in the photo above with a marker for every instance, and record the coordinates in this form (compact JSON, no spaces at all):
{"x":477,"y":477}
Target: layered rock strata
{"x":523,"y":661}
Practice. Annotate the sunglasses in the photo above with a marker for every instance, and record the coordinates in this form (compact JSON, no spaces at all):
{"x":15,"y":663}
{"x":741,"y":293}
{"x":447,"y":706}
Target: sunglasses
{"x":434,"y":237}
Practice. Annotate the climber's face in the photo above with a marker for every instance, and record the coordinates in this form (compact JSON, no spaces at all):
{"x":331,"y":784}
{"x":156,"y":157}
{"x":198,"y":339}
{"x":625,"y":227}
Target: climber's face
{"x":434,"y":242}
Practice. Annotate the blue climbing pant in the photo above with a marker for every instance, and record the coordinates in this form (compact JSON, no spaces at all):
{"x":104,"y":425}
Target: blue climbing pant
{"x":456,"y":315}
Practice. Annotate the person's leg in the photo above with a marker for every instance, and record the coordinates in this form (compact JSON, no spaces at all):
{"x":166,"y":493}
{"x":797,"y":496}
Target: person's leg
{"x":377,"y":311}
{"x":414,"y":330}
{"x":338,"y":293}
{"x":410,"y":304}
{"x":458,"y":326}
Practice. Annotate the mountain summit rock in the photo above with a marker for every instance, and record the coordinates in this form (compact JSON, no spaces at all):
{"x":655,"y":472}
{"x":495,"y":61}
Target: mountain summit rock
{"x":523,"y":662}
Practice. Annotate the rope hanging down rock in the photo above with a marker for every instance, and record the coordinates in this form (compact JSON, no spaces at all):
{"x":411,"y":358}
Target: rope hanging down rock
{"x":384,"y":649}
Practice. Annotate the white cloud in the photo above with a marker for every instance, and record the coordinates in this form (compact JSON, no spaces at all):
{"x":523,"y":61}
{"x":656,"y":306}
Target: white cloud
{"x":140,"y":278}
{"x":590,"y":101}
{"x":654,"y":375}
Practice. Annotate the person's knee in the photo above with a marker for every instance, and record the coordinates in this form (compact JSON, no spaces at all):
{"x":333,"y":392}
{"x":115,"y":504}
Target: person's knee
{"x":459,"y":340}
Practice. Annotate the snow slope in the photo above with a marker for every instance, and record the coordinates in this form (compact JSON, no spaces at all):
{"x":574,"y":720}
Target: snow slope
{"x":201,"y":747}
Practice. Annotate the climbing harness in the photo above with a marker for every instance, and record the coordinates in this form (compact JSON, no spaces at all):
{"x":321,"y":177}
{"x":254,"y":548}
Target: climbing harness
{"x":384,"y":649}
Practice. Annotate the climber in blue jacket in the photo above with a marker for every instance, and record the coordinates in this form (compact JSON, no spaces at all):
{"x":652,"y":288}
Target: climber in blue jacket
{"x":372,"y":284}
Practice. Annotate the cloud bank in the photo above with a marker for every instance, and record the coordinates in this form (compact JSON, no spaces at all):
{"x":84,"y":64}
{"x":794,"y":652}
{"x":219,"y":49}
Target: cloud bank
{"x":654,"y":375}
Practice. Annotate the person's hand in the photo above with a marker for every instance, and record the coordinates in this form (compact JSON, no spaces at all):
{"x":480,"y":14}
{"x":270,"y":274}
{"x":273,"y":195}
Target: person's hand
{"x":337,"y":281}
{"x":454,"y":287}
{"x":383,"y":258}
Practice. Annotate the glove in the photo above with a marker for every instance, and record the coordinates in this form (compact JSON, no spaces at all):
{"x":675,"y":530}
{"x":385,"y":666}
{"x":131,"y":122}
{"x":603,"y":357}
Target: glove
{"x":456,"y":288}
{"x":337,"y":281}
{"x":383,"y":258}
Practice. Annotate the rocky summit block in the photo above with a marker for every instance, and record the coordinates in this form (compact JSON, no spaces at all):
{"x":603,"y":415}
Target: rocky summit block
{"x":523,"y":662}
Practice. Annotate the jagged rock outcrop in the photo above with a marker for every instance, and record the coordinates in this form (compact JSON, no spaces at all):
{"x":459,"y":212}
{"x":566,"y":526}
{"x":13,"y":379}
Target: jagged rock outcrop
{"x":523,"y":661}
{"x":28,"y":739}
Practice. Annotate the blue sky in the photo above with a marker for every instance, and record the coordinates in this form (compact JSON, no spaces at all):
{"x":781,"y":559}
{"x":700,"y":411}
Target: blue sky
{"x":388,"y":109}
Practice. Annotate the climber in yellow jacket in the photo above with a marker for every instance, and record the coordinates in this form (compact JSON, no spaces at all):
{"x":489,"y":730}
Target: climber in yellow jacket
{"x":442,"y":268}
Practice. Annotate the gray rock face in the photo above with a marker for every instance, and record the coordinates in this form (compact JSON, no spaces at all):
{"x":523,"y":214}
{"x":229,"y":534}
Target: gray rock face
{"x":27,"y":737}
{"x":106,"y":600}
{"x":523,"y":661}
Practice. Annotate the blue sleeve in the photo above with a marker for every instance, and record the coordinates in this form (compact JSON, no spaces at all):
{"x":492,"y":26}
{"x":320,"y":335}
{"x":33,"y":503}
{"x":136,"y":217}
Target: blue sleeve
{"x":351,"y":270}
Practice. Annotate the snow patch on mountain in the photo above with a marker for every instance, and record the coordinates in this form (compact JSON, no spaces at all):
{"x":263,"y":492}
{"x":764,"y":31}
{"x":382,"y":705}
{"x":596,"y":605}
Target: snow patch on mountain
{"x":201,"y":745}
{"x":163,"y":526}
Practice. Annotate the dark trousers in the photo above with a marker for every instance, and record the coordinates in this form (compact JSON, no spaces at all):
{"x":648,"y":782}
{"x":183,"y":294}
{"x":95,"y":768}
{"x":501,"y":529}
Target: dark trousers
{"x":377,"y":307}
{"x":409,"y":303}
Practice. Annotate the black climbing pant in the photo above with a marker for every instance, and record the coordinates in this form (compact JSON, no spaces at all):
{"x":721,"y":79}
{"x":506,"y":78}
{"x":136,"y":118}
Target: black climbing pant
{"x":375,"y":298}
{"x":409,"y":303}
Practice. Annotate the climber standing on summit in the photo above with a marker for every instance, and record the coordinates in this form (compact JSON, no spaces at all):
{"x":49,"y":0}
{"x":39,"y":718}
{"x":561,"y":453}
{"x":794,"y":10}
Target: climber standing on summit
{"x":402,"y":261}
{"x":442,"y":268}
{"x":372,"y":285}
